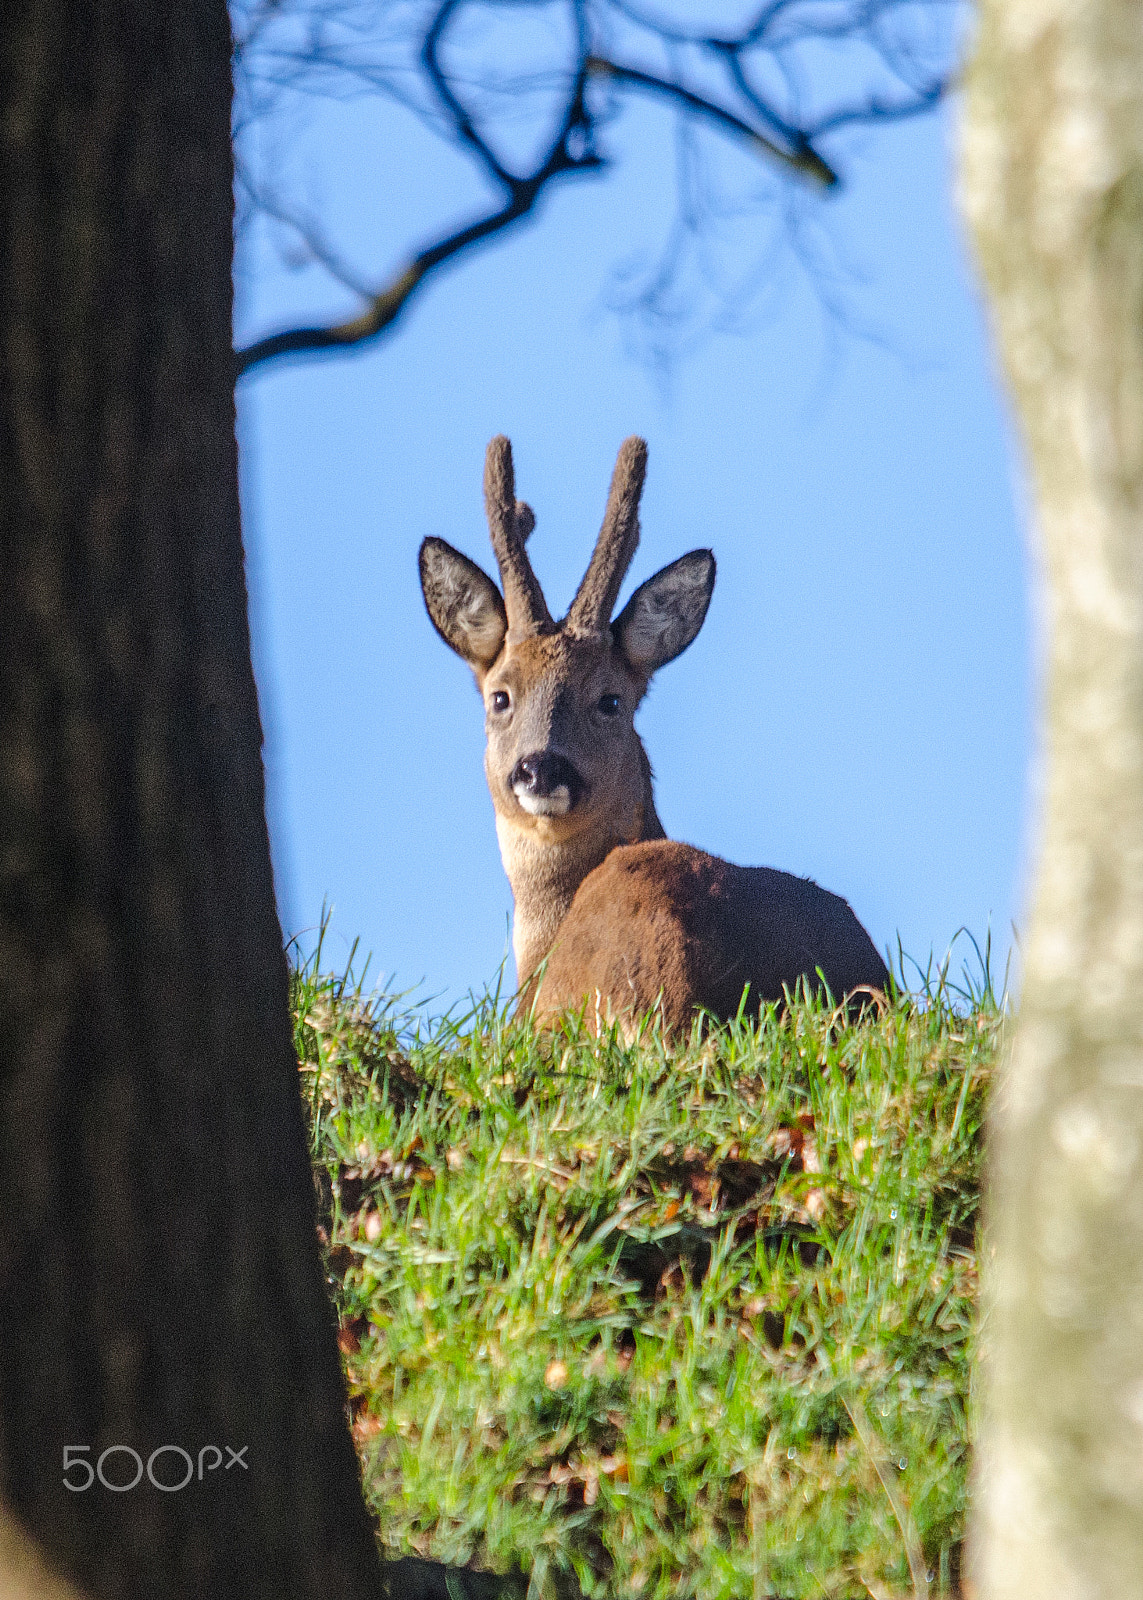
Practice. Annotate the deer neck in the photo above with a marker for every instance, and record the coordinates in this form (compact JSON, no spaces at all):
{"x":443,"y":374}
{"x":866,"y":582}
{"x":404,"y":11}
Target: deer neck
{"x":545,"y":873}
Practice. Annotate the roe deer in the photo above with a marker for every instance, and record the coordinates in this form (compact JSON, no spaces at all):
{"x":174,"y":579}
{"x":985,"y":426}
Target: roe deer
{"x":622,"y":916}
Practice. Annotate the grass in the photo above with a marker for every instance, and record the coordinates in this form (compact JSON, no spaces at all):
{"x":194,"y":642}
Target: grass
{"x":690,"y":1321}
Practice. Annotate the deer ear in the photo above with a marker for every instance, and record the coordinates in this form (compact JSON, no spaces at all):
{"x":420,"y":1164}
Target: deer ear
{"x":665,"y":613}
{"x":464,"y":604}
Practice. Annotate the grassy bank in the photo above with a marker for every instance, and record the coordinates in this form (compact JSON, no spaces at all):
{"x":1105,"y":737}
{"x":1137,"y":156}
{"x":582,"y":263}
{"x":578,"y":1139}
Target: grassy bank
{"x":691,"y":1321}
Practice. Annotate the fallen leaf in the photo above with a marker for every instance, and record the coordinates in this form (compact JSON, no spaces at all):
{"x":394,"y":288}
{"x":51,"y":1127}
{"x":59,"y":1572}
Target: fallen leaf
{"x":700,"y":1186}
{"x":367,"y":1427}
{"x":816,"y":1204}
{"x":796,"y":1145}
{"x":672,"y":1280}
{"x":349,"y":1335}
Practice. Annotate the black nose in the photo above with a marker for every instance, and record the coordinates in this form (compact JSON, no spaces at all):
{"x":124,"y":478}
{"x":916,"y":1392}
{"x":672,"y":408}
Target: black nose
{"x":542,"y":774}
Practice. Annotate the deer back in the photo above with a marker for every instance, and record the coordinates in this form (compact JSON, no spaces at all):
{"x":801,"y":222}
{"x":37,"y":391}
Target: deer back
{"x":663,"y":926}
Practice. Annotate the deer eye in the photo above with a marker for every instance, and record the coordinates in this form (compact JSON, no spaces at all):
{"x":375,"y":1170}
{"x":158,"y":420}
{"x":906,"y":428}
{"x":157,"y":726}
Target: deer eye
{"x":610,"y":704}
{"x":500,"y":700}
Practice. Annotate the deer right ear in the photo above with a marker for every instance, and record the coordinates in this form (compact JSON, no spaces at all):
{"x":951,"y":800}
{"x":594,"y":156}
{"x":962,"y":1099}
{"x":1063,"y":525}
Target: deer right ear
{"x":464,"y":604}
{"x":664,"y":614}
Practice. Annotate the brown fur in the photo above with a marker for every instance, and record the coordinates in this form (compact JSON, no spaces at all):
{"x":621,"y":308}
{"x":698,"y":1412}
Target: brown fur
{"x":555,"y":680}
{"x":664,"y":925}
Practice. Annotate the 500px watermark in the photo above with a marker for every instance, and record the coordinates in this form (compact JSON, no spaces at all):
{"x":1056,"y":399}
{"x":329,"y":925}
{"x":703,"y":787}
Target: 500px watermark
{"x":127,"y":1465}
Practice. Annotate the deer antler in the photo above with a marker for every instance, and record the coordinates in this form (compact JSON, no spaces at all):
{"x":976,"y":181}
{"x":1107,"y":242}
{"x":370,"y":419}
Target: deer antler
{"x":510,"y":522}
{"x":590,"y":611}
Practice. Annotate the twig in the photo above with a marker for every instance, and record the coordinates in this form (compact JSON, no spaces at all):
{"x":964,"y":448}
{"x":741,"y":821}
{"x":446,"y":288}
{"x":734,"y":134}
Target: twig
{"x":307,"y":230}
{"x":803,"y":158}
{"x":384,"y":308}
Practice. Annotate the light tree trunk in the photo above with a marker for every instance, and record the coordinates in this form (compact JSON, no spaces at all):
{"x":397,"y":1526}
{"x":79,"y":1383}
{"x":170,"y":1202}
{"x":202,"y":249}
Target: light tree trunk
{"x":159,"y":1276}
{"x":1053,"y":188}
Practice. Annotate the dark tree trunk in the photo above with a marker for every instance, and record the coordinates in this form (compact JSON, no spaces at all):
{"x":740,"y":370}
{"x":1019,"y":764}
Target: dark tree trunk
{"x":159,"y":1277}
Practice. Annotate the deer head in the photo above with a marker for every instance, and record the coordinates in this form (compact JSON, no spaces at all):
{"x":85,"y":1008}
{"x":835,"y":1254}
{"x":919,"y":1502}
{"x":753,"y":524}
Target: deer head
{"x":567,"y":771}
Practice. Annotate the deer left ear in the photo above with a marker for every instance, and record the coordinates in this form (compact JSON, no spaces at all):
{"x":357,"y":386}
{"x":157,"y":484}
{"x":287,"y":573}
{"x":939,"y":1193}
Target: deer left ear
{"x":463,"y":603}
{"x":665,"y":613}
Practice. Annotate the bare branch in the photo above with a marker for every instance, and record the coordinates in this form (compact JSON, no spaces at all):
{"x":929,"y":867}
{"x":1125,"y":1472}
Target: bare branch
{"x":462,"y":122}
{"x":384,"y":308}
{"x":378,"y":50}
{"x":308,"y":230}
{"x":803,"y":158}
{"x":522,"y":194}
{"x":878,"y":110}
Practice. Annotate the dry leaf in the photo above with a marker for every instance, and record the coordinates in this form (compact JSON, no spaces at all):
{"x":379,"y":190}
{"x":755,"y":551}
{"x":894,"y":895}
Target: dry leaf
{"x":367,"y":1427}
{"x":699,"y":1184}
{"x":349,"y":1335}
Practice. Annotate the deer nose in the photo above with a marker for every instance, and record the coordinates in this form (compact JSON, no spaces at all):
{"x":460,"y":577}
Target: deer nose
{"x":545,"y":784}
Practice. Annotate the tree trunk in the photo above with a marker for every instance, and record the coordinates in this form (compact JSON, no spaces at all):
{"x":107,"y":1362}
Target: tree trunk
{"x":160,"y":1286}
{"x":1053,"y":186}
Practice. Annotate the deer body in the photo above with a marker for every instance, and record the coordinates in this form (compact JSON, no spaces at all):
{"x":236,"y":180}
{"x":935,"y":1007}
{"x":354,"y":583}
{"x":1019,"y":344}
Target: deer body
{"x":664,"y":926}
{"x":608,"y":909}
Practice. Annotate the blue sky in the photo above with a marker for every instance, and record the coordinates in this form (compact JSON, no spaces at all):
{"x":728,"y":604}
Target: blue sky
{"x":858,"y":705}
